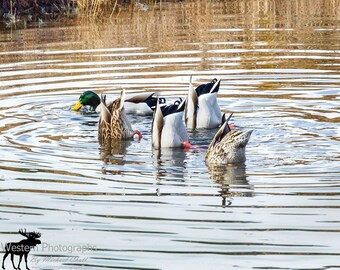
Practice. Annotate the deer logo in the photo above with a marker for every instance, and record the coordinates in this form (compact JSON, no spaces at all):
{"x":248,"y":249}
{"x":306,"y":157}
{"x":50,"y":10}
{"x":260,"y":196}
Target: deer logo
{"x":21,"y":248}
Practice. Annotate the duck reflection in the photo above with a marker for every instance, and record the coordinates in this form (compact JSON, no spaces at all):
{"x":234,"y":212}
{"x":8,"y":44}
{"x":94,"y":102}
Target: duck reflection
{"x":233,"y":182}
{"x":170,"y":164}
{"x":113,"y":153}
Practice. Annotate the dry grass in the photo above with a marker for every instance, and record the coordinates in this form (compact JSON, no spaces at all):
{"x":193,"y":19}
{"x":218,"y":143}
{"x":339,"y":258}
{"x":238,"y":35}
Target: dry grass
{"x":96,"y":7}
{"x":100,"y":7}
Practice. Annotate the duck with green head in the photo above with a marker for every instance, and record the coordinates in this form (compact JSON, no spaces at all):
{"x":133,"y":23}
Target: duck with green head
{"x":142,"y":104}
{"x":88,"y":98}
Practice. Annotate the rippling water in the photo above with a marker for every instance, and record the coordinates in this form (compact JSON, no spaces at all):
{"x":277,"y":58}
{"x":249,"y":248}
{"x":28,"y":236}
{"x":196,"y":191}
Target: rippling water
{"x":143,"y":209}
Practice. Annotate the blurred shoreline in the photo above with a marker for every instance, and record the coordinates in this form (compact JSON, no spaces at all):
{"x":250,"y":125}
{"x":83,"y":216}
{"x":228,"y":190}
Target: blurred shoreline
{"x":22,"y":13}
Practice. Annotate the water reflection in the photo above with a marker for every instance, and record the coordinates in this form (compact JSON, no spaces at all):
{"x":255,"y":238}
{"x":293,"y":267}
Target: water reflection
{"x":114,"y":153}
{"x":278,"y":62}
{"x":233,"y":182}
{"x":169,"y":164}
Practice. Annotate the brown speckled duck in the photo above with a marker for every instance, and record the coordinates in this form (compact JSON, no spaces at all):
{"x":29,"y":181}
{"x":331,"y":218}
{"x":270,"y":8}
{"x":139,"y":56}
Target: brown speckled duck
{"x":228,"y":146}
{"x":113,"y":123}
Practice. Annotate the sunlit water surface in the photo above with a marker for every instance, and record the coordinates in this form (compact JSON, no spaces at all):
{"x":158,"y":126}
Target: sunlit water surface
{"x":141,"y":209}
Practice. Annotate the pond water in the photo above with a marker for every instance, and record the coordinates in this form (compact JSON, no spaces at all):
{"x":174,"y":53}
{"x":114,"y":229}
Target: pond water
{"x":132,"y":207}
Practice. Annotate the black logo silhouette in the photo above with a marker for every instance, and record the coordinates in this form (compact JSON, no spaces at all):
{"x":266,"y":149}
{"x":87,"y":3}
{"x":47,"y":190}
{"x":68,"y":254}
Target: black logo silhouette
{"x":21,"y":248}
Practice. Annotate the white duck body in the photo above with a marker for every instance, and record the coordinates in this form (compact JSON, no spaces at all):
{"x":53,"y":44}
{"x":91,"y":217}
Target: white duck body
{"x":174,"y":132}
{"x":202,"y":109}
{"x":132,"y":108}
{"x":209,"y":113}
{"x":141,"y":104}
{"x":169,"y":130}
{"x":137,"y":108}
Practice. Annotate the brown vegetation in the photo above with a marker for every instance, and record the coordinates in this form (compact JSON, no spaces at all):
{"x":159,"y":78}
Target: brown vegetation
{"x":99,"y":7}
{"x":108,"y":8}
{"x":36,"y":6}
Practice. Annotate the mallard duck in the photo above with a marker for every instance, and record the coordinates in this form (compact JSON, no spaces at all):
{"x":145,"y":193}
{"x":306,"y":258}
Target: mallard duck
{"x":113,"y":123}
{"x":228,"y":146}
{"x":142,"y":104}
{"x":202,"y":109}
{"x":168,"y":128}
{"x":87,"y":98}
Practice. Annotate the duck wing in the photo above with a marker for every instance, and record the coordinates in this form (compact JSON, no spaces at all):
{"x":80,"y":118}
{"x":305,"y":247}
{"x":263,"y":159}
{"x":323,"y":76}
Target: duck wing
{"x":104,"y":127}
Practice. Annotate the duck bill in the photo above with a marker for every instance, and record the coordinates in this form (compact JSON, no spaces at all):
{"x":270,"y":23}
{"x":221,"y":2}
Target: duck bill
{"x":77,"y":106}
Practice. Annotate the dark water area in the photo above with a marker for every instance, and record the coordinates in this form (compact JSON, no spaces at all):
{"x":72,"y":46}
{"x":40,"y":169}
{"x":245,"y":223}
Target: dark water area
{"x":19,"y":14}
{"x":132,"y":207}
